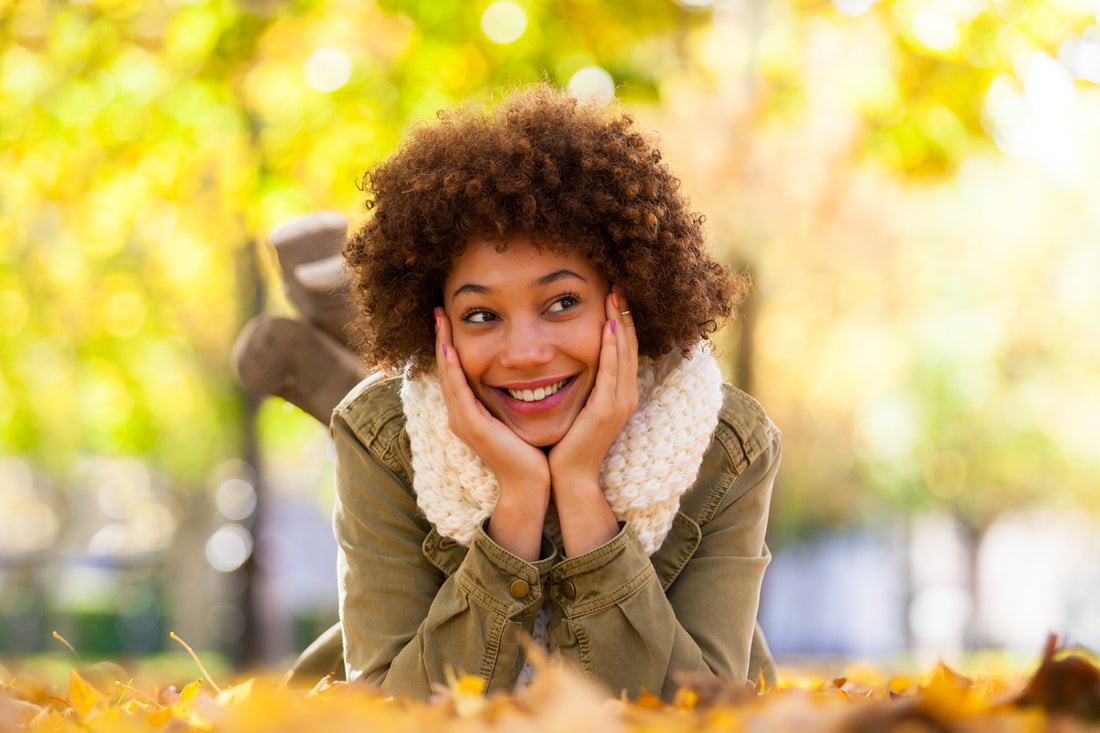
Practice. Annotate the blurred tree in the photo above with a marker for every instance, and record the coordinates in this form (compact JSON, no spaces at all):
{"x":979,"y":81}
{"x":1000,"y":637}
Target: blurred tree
{"x":914,"y":333}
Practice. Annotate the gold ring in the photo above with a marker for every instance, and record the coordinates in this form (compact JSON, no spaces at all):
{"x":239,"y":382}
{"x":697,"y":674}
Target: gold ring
{"x":624,"y":313}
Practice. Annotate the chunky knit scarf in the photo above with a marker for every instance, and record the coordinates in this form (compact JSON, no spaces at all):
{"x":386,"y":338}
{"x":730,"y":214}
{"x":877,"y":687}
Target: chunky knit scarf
{"x":652,"y":462}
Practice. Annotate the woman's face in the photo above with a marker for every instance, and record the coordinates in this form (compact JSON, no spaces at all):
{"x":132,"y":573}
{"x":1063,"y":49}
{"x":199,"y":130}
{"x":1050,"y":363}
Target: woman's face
{"x":527,"y":325}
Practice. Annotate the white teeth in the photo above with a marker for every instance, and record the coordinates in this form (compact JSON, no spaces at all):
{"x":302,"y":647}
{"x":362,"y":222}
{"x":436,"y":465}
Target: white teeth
{"x":527,"y":395}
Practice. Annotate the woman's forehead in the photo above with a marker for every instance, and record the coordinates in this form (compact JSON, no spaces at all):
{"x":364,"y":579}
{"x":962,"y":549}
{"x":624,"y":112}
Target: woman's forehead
{"x":486,"y":265}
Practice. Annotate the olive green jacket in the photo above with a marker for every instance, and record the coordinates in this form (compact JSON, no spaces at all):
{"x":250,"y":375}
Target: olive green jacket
{"x":415,"y":605}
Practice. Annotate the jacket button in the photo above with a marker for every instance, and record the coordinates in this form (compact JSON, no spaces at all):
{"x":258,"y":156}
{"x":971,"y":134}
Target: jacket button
{"x":569,"y":590}
{"x":519,"y":588}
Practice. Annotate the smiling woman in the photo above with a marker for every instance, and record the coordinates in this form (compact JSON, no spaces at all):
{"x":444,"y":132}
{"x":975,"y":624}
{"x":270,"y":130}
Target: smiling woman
{"x":558,"y":459}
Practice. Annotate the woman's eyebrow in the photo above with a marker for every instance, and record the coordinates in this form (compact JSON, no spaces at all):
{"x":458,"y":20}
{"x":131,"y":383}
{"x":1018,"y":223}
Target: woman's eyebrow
{"x":470,"y":288}
{"x":557,"y":275}
{"x":542,"y":281}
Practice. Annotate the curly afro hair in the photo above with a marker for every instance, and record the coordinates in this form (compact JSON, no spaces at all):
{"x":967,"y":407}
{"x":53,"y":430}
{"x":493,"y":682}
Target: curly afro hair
{"x":571,"y":176}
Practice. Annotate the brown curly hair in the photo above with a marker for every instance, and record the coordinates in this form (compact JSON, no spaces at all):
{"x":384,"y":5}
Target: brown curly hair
{"x":571,"y":176}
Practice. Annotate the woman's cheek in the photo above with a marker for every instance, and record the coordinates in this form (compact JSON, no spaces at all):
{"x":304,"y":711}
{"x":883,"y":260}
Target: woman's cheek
{"x":463,"y":351}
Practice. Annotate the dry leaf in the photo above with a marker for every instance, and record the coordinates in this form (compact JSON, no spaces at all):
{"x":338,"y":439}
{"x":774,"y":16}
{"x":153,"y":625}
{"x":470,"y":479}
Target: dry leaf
{"x":82,"y":696}
{"x":1069,"y":685}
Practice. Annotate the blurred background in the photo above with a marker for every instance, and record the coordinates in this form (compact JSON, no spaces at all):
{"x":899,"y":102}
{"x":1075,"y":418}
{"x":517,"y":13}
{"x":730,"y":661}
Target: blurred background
{"x":914,"y":186}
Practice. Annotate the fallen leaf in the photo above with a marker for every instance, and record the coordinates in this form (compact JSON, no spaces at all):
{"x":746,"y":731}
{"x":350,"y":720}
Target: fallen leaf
{"x":1069,"y":685}
{"x":82,"y":696}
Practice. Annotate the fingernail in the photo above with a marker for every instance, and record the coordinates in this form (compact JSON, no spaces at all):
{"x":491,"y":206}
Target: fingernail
{"x":444,"y":349}
{"x":613,"y":325}
{"x":615,"y":299}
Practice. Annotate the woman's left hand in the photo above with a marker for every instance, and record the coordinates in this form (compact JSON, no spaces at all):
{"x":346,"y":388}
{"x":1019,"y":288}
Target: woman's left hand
{"x":576,"y":459}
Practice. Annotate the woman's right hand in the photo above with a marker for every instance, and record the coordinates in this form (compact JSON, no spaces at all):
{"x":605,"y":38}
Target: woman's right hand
{"x":522,"y":470}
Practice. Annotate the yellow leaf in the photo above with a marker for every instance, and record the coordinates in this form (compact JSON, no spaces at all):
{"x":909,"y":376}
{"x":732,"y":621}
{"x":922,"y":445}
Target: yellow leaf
{"x":82,"y":696}
{"x":158,"y":718}
{"x":236,"y":695}
{"x":899,"y":685}
{"x":469,"y":695}
{"x":190,"y":691}
{"x":949,"y":696}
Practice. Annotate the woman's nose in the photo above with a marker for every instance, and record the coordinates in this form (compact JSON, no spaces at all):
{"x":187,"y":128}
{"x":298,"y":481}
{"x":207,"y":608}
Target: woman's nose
{"x":525,"y":346}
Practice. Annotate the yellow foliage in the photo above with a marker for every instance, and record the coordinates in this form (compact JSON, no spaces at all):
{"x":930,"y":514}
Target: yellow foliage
{"x":1062,"y":695}
{"x":82,"y":695}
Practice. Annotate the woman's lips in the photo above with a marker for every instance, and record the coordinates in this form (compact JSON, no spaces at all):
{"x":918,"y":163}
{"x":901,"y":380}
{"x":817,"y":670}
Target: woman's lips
{"x":560,"y":389}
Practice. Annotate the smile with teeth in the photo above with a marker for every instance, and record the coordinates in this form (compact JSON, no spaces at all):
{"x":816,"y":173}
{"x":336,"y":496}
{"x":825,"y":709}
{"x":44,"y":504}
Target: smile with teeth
{"x":534,"y":395}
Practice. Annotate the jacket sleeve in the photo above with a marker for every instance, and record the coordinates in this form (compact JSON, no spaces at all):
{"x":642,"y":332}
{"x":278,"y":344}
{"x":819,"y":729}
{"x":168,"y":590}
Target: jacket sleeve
{"x":406,"y":624}
{"x":627,"y":631}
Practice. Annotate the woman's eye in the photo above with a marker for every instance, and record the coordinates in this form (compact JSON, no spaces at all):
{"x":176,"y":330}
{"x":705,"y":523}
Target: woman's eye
{"x":478,"y":317}
{"x":563,"y":303}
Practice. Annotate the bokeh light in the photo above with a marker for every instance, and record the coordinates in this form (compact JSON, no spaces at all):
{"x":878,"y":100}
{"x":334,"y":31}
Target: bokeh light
{"x":503,"y":22}
{"x":28,"y":524}
{"x":327,"y":70}
{"x":228,"y":548}
{"x":236,"y":499}
{"x":592,"y":81}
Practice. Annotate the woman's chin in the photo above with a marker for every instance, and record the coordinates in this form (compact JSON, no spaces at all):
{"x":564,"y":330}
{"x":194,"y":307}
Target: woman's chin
{"x":541,"y":437}
{"x":542,"y":431}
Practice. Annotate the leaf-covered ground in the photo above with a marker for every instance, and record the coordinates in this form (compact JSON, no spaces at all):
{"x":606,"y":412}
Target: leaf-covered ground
{"x":1062,"y":695}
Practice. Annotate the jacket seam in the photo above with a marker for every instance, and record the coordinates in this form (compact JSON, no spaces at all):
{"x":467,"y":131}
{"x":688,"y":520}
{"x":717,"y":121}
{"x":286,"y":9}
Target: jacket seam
{"x":717,"y":496}
{"x":436,"y":548}
{"x":593,"y":560}
{"x":620,"y":594}
{"x":694,"y":547}
{"x":584,"y":648}
{"x":492,"y":650}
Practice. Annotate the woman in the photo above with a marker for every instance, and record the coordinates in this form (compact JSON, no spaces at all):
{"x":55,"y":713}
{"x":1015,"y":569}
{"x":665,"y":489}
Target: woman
{"x":560,"y":460}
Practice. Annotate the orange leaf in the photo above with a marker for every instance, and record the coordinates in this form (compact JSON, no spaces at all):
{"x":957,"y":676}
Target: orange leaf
{"x":82,"y":696}
{"x":899,"y":684}
{"x":648,"y":701}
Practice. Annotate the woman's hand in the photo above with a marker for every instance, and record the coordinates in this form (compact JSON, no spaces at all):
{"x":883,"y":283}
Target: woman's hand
{"x":522,"y":471}
{"x":586,"y":518}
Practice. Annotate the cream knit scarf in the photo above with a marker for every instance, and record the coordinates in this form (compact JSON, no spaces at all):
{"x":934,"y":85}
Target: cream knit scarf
{"x":652,"y":462}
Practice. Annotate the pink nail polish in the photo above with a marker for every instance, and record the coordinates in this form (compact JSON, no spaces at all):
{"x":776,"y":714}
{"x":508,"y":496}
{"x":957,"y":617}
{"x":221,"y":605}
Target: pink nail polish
{"x":612,"y":325}
{"x":444,"y":349}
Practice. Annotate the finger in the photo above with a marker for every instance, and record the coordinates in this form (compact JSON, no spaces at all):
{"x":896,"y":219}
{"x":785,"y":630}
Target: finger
{"x":626,"y":345}
{"x":624,"y":315}
{"x":451,"y":377}
{"x":443,"y":346}
{"x":607,"y":374}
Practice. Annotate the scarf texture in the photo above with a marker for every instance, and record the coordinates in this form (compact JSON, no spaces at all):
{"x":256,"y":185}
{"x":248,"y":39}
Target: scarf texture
{"x":652,"y":462}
